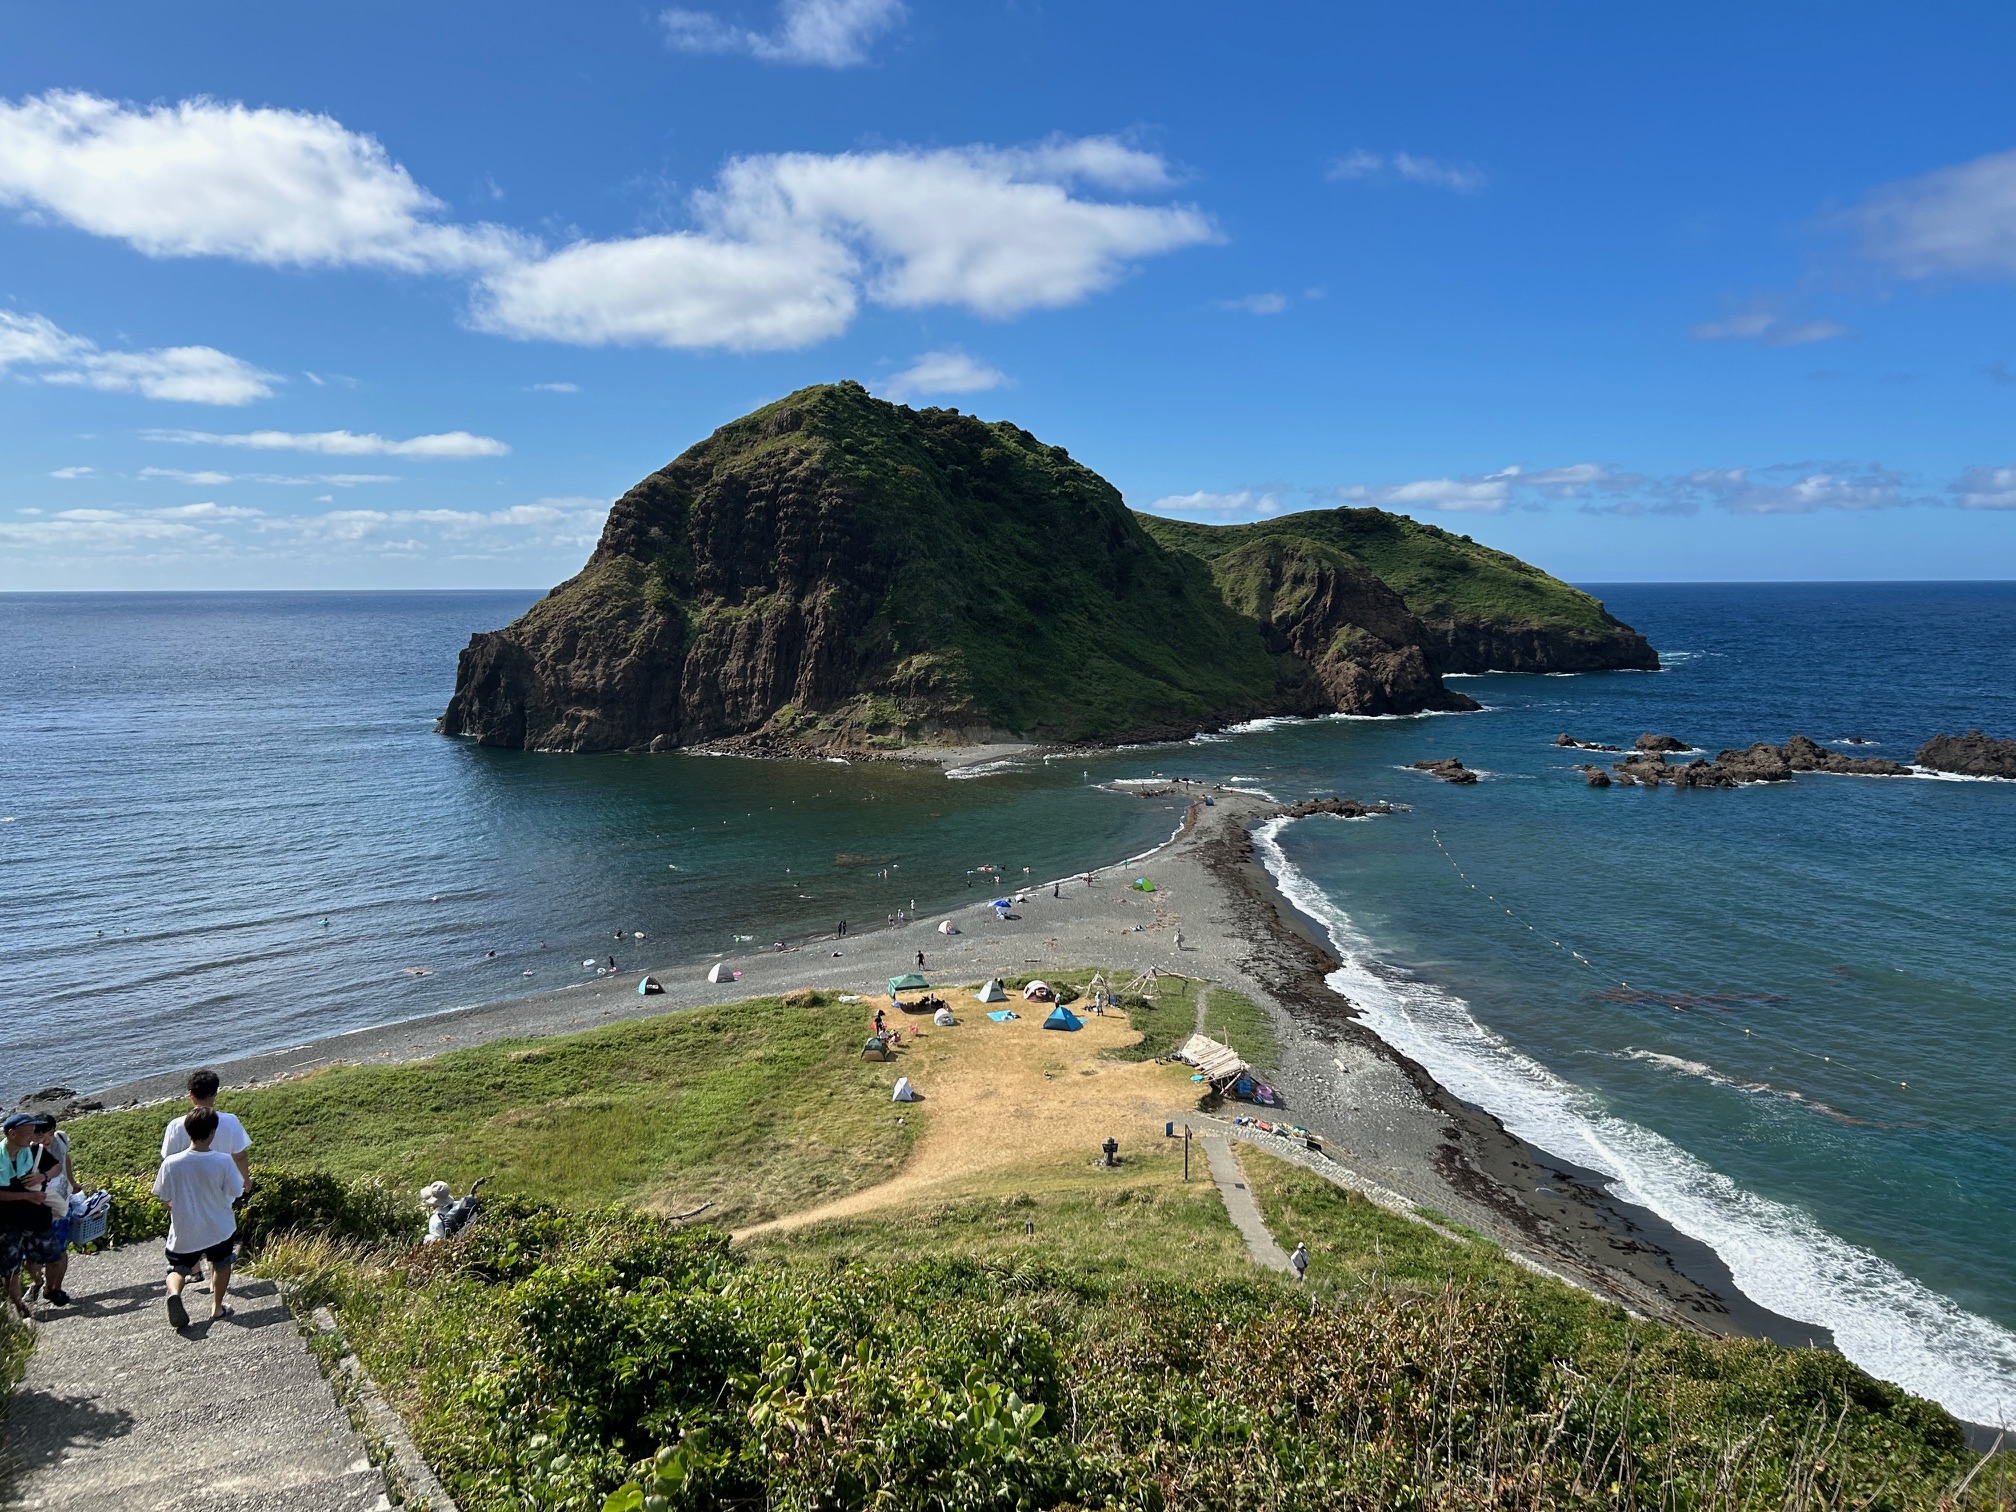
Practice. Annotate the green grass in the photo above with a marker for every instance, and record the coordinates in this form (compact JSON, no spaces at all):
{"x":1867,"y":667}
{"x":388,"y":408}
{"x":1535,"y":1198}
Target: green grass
{"x":759,"y":1107}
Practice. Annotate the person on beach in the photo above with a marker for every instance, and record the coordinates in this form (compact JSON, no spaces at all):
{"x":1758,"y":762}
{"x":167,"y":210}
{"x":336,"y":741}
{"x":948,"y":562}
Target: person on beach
{"x":199,"y":1185}
{"x":230,"y":1138}
{"x":48,"y":1253}
{"x":920,"y":960}
{"x":23,"y":1217}
{"x":1300,"y":1262}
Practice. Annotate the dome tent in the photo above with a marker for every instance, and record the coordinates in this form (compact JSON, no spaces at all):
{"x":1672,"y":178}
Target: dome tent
{"x":1063,"y":1018}
{"x":992,"y":992}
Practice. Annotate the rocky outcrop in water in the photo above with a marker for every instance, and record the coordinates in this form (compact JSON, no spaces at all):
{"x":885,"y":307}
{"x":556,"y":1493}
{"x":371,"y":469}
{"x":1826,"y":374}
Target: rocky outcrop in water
{"x":1660,"y":743}
{"x":1756,"y":763}
{"x":1595,"y":775}
{"x":1971,"y":755}
{"x":1571,"y":743}
{"x":1448,"y":769}
{"x":1343,"y":808}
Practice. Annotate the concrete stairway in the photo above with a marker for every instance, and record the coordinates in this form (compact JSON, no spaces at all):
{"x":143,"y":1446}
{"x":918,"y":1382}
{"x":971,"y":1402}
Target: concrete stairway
{"x":120,"y":1411}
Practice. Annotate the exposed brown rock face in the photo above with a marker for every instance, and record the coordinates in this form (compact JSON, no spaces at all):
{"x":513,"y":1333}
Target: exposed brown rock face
{"x":1449,"y":769}
{"x":1757,"y":763}
{"x":1969,"y":755}
{"x":1362,"y":645}
{"x":834,"y":572}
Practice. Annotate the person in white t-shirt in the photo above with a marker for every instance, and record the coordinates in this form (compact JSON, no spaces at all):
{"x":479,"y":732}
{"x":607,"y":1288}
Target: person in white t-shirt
{"x":231,"y":1138}
{"x":199,"y":1185}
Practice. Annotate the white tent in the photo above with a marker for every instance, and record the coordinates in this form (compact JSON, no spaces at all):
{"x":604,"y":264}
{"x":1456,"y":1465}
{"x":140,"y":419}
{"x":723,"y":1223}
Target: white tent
{"x":946,"y":926}
{"x":943,"y":1018}
{"x":1037,"y":992}
{"x":719,"y":972}
{"x":904,"y":1091}
{"x":992,"y":993}
{"x":1219,"y":1063}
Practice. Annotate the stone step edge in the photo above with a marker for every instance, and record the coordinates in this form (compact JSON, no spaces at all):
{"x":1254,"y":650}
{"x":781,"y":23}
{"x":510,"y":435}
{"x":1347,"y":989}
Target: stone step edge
{"x":384,"y":1431}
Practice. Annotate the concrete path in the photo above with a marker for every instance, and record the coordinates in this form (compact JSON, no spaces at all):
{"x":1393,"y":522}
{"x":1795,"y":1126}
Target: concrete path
{"x":1239,"y":1204}
{"x":120,"y":1412}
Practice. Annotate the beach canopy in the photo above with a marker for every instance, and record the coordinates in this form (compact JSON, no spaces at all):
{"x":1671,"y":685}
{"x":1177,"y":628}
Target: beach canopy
{"x":1142,"y":884}
{"x":719,"y":972}
{"x":1062,"y":1018}
{"x":945,"y":926}
{"x":1219,"y":1063}
{"x":943,"y":1018}
{"x":999,"y":903}
{"x":906,"y":983}
{"x":904,"y":1091}
{"x":649,"y":986}
{"x":991,"y":992}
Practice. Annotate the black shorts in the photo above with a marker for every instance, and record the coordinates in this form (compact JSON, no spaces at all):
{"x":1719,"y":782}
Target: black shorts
{"x":190,"y":1263}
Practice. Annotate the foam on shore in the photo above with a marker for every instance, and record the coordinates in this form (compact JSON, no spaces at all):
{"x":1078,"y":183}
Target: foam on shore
{"x":1890,"y":1325}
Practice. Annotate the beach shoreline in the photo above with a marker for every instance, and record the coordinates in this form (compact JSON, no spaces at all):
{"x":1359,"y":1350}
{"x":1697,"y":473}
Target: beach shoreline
{"x":1378,"y":1112}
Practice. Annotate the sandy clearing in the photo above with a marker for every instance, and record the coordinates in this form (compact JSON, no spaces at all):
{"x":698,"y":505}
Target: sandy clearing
{"x":1012,"y":1096}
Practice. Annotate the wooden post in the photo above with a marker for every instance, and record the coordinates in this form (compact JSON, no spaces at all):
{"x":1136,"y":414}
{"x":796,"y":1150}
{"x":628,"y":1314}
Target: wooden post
{"x":1186,"y":1152}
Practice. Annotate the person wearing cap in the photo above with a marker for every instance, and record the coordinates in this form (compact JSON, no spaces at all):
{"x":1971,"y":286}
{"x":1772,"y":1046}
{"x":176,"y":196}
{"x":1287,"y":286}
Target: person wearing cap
{"x":48,"y":1253}
{"x":23,"y":1217}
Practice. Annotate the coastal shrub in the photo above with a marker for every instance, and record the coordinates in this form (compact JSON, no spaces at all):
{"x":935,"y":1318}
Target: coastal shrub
{"x":137,"y":1213}
{"x":571,"y":1360}
{"x":284,"y":1200}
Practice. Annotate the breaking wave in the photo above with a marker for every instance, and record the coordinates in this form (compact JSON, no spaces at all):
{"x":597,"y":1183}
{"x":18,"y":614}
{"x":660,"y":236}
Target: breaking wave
{"x":1890,"y":1325}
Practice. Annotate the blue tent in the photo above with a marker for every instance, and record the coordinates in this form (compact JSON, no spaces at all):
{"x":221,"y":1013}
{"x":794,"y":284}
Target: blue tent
{"x":1062,"y":1018}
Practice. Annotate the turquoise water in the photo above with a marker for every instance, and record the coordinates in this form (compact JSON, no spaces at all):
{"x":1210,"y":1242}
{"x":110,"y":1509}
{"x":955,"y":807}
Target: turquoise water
{"x":1780,"y":1015}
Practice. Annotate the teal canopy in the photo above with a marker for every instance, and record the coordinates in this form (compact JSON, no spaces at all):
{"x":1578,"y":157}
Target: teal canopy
{"x":906,"y":982}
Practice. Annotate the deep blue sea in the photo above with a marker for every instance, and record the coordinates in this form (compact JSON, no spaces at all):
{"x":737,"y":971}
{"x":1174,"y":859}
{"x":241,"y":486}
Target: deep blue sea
{"x":1784,"y":1016}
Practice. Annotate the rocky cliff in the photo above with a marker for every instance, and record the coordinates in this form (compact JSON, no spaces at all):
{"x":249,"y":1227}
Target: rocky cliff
{"x":834,"y":572}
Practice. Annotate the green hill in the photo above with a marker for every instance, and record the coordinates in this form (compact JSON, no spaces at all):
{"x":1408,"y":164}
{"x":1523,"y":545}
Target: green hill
{"x":837,"y":572}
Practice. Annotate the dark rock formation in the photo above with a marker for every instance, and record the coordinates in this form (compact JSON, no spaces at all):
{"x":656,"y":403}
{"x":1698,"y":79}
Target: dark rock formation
{"x":60,"y":1102}
{"x":1806,"y":755}
{"x":1598,"y":778}
{"x":1757,"y":763}
{"x":1448,"y":768}
{"x":1660,"y":743}
{"x":1565,"y":739}
{"x":1343,"y":808}
{"x":1969,"y":755}
{"x":834,"y":572}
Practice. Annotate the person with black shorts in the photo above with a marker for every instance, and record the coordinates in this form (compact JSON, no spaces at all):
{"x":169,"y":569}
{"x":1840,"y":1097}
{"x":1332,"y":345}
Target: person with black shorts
{"x":199,"y":1185}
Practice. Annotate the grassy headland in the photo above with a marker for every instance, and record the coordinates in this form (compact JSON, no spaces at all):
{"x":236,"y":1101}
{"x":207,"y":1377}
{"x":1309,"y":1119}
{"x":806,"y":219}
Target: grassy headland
{"x":1033,"y":1331}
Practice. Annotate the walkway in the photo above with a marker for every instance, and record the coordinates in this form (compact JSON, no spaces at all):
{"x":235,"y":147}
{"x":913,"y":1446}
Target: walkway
{"x":118,"y":1411}
{"x":1239,"y":1204}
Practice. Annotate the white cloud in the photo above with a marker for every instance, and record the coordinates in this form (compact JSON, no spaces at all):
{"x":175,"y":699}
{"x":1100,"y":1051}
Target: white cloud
{"x":1954,"y":222}
{"x":556,"y":388}
{"x":1795,"y":488}
{"x":828,"y":33}
{"x":1761,"y":323}
{"x":73,"y":472}
{"x":790,"y":244}
{"x":208,"y":479}
{"x":944,"y":373}
{"x":1410,"y":167}
{"x":1257,"y":304}
{"x":195,"y":374}
{"x":205,"y":178}
{"x":1485,"y":493}
{"x":186,"y":532}
{"x":1986,"y":488}
{"x":1245,"y":504}
{"x":341,"y":443}
{"x":783,"y":250}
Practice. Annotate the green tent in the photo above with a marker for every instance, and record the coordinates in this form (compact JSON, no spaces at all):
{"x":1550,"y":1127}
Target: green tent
{"x":906,"y":983}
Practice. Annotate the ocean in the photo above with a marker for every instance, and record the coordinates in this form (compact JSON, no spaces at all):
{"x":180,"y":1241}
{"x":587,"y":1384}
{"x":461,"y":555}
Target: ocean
{"x":1780,"y":1016}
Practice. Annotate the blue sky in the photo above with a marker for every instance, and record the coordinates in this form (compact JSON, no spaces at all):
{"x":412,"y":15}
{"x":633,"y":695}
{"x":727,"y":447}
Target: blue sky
{"x":402,"y":296}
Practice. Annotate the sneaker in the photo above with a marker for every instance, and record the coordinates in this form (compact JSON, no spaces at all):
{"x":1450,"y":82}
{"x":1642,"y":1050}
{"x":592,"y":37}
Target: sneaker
{"x":178,"y":1315}
{"x":59,"y":1298}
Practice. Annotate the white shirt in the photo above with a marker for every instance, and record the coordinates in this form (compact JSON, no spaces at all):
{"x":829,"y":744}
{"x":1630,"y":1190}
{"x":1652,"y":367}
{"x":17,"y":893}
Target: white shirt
{"x":199,"y":1187}
{"x":230,"y":1138}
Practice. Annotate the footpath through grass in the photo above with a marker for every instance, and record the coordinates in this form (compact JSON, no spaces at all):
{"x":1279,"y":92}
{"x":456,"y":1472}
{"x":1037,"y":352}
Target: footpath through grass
{"x":760,"y":1107}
